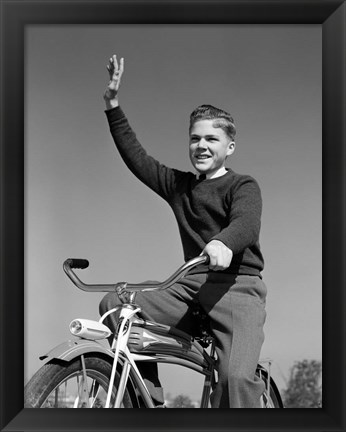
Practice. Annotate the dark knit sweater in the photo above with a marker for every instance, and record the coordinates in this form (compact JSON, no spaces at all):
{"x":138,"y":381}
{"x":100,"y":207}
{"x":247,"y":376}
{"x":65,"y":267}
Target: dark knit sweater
{"x":226,"y":208}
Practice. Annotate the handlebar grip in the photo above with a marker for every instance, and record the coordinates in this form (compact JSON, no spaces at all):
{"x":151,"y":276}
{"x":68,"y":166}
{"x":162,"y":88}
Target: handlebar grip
{"x":206,"y":259}
{"x":78,"y":263}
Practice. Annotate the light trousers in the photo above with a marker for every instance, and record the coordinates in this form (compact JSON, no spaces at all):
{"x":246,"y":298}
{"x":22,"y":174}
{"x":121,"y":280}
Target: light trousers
{"x":235,"y":305}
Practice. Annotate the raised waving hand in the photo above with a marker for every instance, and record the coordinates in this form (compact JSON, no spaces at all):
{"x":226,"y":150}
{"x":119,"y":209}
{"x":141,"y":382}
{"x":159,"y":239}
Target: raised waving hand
{"x":115,"y":71}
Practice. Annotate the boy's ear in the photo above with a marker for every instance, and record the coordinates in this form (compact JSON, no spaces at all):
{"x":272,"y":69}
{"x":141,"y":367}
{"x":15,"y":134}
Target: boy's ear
{"x":231,"y":148}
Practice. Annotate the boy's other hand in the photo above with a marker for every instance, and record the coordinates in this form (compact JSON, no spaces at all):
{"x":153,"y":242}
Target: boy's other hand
{"x":219,"y":254}
{"x":115,"y":71}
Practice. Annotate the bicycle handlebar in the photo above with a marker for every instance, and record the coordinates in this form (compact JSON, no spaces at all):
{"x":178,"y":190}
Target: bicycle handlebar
{"x":72,"y":263}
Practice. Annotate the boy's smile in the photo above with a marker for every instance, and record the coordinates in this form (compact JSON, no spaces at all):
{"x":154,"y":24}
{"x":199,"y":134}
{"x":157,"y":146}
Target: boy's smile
{"x":209,"y":148}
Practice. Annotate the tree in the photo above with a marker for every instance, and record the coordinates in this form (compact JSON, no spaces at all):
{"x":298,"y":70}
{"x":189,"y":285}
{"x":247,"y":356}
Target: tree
{"x":304,"y":388}
{"x":181,"y":401}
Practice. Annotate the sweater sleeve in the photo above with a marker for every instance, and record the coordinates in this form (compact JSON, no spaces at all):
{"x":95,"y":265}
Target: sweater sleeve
{"x":148,"y":170}
{"x":244,"y":218}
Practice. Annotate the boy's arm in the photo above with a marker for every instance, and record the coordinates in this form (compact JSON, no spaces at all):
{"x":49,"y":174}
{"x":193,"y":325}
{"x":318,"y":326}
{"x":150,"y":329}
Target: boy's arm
{"x":147,"y":169}
{"x":243,"y":228}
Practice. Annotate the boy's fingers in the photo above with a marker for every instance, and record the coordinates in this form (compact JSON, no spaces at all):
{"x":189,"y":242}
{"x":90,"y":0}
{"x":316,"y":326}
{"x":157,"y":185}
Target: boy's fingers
{"x":110,"y":71}
{"x":121,"y":65}
{"x":115,"y":68}
{"x":212,"y":262}
{"x":115,"y":61}
{"x":110,"y":65}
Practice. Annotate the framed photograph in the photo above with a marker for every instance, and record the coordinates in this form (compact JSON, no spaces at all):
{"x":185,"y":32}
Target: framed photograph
{"x":279,"y":68}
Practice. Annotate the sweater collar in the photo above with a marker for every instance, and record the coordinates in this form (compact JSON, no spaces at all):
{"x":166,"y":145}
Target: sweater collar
{"x":203,"y":177}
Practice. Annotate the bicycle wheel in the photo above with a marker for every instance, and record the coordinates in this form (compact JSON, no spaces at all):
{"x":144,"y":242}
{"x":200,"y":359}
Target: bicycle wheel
{"x":63,"y":385}
{"x":271,"y":397}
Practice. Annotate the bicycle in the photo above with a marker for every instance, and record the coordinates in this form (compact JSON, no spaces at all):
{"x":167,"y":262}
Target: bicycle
{"x":83,"y":373}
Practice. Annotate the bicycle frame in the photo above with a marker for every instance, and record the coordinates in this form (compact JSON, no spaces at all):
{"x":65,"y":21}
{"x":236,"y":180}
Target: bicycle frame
{"x":177,"y":348}
{"x":135,"y":340}
{"x":158,"y":346}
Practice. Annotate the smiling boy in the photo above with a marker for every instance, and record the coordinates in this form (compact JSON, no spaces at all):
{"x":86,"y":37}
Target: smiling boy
{"x":209,"y":145}
{"x":218,"y":214}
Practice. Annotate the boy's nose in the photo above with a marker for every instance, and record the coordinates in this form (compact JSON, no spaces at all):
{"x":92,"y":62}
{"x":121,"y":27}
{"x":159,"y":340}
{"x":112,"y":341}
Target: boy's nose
{"x":201,"y":143}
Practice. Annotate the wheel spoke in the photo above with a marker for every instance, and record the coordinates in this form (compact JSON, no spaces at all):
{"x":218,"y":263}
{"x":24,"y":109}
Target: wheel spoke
{"x":94,"y":391}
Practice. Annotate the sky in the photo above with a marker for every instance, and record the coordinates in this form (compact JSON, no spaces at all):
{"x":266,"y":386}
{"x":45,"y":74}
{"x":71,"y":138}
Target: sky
{"x":81,"y":200}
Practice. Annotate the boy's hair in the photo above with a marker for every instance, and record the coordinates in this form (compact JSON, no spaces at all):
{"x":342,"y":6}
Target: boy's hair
{"x":222,"y":118}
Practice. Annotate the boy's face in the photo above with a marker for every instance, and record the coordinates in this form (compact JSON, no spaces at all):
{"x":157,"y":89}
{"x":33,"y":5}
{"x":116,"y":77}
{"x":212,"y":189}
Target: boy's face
{"x":209,"y":147}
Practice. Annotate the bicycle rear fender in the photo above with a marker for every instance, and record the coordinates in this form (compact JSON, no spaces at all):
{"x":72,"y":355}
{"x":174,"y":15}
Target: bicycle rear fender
{"x":71,"y":349}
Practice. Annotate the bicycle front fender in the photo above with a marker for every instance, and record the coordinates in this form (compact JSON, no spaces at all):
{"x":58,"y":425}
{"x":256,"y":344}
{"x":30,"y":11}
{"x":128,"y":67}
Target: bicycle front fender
{"x":71,"y":349}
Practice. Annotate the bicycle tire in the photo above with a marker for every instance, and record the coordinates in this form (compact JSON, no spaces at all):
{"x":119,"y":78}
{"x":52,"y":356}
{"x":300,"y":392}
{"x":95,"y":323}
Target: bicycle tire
{"x":53,"y":380}
{"x":271,"y":399}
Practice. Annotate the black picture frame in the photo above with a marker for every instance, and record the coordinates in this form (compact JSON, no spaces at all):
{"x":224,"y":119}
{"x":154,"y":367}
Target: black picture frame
{"x":15,"y":16}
